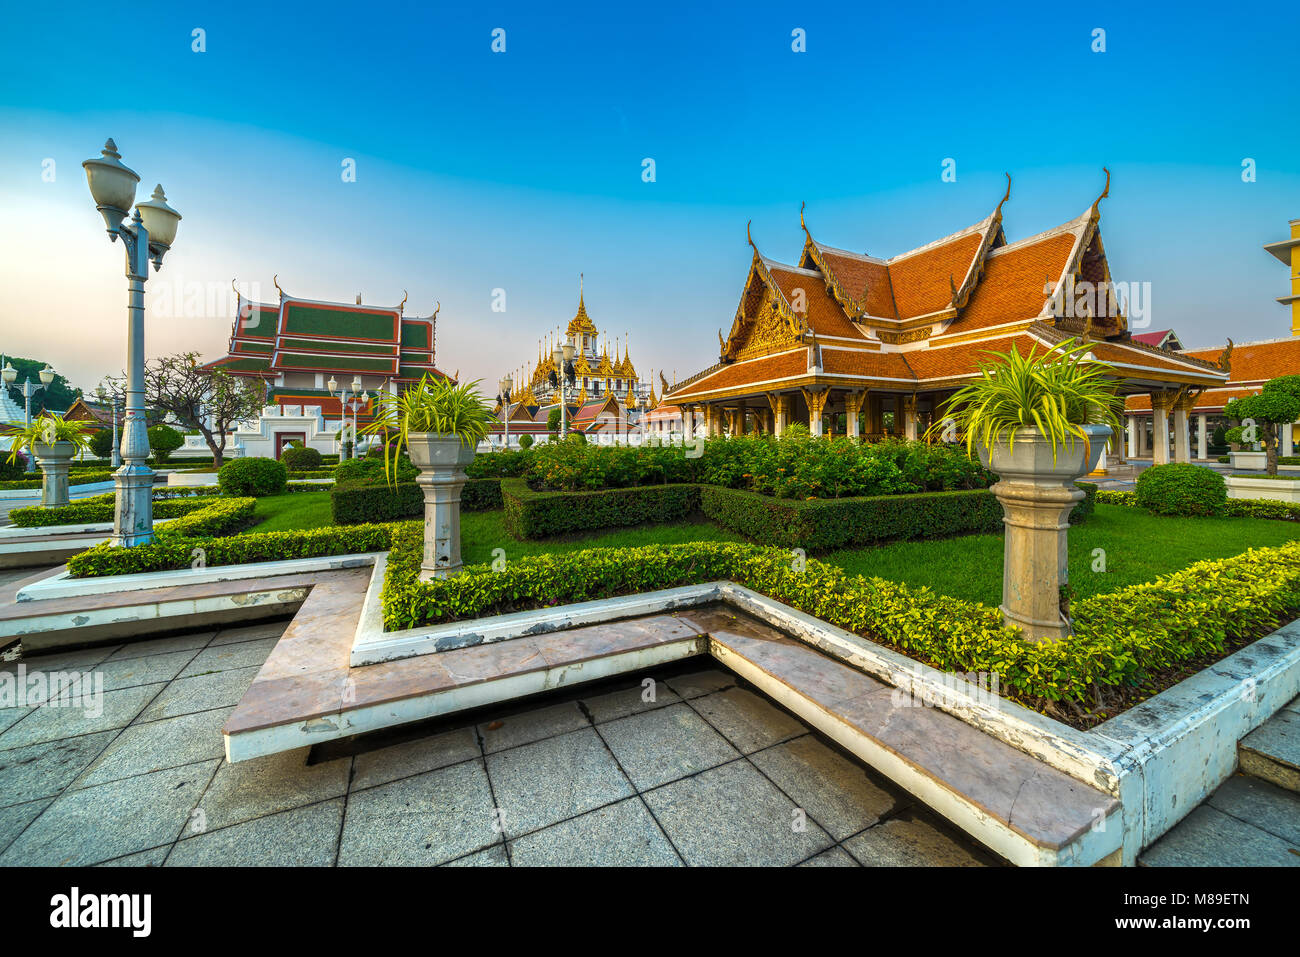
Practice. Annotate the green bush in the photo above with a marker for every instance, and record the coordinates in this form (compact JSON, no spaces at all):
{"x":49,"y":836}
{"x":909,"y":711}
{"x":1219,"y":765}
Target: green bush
{"x":371,"y":471}
{"x":525,"y":442}
{"x":825,"y":524}
{"x":1232,"y":508}
{"x":301,"y":458}
{"x":75,"y":477}
{"x":99,"y":508}
{"x":255,"y":476}
{"x":168,"y":553}
{"x":101,"y":443}
{"x":530,"y":514}
{"x":1181,"y":489}
{"x":1126,"y":638}
{"x":163,"y":441}
{"x":355,"y":502}
{"x":506,"y":463}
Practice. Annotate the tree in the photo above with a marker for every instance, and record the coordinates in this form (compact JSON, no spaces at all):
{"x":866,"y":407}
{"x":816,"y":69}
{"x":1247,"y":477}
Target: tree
{"x":101,"y":443}
{"x":58,"y":396}
{"x":553,"y":421}
{"x":1276,"y":405}
{"x":163,"y":441}
{"x":211,"y":401}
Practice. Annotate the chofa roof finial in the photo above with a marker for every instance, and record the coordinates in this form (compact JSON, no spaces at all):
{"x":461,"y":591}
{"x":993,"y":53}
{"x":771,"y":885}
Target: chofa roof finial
{"x":1104,"y":193}
{"x":997,"y":213}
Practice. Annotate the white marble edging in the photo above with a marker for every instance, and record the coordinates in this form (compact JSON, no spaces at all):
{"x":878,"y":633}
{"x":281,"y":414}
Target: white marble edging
{"x":63,"y":585}
{"x":372,"y":645}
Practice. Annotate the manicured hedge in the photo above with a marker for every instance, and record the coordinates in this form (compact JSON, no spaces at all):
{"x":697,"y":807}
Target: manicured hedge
{"x":254,"y":476}
{"x":301,"y":458}
{"x":1181,"y":489}
{"x":814,"y":525}
{"x":97,"y":508}
{"x":74,"y":478}
{"x":1232,"y":508}
{"x":173,"y":552}
{"x":1123,"y":638}
{"x":216,"y":517}
{"x":353,"y":502}
{"x":530,"y":514}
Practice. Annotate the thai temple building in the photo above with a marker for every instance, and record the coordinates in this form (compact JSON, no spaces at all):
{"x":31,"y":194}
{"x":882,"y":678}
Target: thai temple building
{"x":1250,"y":365}
{"x":293,"y":348}
{"x":606,"y":399}
{"x":858,"y":344}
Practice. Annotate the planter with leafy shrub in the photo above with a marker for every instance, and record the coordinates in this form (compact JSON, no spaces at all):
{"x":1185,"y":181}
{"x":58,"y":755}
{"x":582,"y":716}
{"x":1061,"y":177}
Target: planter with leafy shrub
{"x":255,"y":476}
{"x":439,"y":424}
{"x":52,"y":441}
{"x":1039,"y":422}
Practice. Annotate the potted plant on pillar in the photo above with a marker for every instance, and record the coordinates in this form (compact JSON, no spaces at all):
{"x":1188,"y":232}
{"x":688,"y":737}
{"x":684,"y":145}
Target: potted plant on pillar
{"x":440,"y":425}
{"x":1039,"y":422}
{"x":53,"y":441}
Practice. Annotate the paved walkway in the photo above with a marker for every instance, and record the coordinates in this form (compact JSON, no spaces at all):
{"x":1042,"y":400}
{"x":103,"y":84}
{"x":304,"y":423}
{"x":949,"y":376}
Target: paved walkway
{"x":706,"y":773}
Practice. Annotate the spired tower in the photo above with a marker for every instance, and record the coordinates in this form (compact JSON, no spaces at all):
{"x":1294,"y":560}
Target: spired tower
{"x":598,"y":371}
{"x":1288,"y":253}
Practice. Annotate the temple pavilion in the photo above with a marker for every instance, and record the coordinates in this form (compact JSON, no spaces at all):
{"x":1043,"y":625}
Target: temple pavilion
{"x":862,"y":345}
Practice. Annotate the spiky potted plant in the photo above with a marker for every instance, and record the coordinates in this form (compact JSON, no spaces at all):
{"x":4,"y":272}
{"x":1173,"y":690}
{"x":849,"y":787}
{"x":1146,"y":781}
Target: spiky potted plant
{"x":440,"y":425}
{"x":52,"y":441}
{"x":1039,"y":422}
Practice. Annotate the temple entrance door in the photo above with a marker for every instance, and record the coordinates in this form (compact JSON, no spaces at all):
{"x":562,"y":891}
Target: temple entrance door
{"x":282,"y":439}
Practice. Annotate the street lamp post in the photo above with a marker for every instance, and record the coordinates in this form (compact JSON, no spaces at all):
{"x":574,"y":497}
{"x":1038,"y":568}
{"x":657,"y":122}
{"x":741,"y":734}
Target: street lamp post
{"x":117,"y":453}
{"x":146,"y":238}
{"x":342,"y":396}
{"x":563,"y":358}
{"x":29,"y":389}
{"x":506,"y":385}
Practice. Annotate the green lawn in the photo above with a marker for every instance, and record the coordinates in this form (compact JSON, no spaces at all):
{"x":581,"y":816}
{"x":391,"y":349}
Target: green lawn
{"x":279,"y":513}
{"x":481,"y":532}
{"x":1138,"y":547}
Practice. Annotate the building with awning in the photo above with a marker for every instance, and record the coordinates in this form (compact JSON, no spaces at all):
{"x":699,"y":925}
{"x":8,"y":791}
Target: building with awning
{"x":868,"y":346}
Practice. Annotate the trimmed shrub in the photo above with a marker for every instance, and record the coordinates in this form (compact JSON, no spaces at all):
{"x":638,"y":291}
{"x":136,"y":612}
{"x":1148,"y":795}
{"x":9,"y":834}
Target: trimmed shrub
{"x":525,"y":442}
{"x":530,"y":514}
{"x":1124,"y":638}
{"x":175,"y":552}
{"x":1232,"y":508}
{"x":1181,"y":489}
{"x":101,"y":443}
{"x":506,"y":463}
{"x":163,"y":441}
{"x":99,"y":508}
{"x":355,"y":502}
{"x":301,"y":458}
{"x":824,"y":524}
{"x":255,"y":476}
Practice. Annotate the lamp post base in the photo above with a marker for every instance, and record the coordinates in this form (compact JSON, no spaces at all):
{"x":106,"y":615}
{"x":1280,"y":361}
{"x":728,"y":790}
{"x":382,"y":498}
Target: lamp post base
{"x":133,"y":512}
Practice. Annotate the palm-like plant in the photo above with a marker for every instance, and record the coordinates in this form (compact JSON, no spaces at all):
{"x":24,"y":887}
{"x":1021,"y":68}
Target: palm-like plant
{"x":1056,"y":392}
{"x":47,"y":429}
{"x":434,"y":405}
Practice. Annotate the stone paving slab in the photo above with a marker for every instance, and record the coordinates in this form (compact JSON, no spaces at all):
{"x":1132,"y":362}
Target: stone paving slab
{"x":616,"y":835}
{"x":156,"y":745}
{"x":303,"y":837}
{"x":1262,"y":805}
{"x":666,"y":744}
{"x":907,"y":843}
{"x":1209,"y":838}
{"x":1272,"y":751}
{"x":55,"y":721}
{"x":426,"y":753}
{"x":43,"y":770}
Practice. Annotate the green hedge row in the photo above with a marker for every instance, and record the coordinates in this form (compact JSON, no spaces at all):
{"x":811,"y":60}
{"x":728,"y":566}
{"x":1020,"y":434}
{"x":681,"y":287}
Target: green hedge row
{"x":354,"y":502}
{"x":1123,"y":638}
{"x":1232,"y":508}
{"x":167,"y":552}
{"x":74,"y":478}
{"x":814,"y":525}
{"x":96,"y":508}
{"x":214,"y":517}
{"x":530,"y":514}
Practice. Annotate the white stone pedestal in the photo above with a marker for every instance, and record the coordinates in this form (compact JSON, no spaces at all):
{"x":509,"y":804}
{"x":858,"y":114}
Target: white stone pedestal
{"x":54,"y":461}
{"x":441,"y":460}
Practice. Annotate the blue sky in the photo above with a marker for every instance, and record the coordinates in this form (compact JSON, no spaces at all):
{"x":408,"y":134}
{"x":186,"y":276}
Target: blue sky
{"x":477,"y":171}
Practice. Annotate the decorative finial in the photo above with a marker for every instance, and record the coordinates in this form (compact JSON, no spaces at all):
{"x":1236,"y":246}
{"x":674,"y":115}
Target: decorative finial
{"x":1225,"y":358}
{"x":358,"y":299}
{"x":436,"y":306}
{"x":749,"y":236}
{"x":1104,"y":193}
{"x":953,"y":286}
{"x":401,"y":305}
{"x":275,"y":281}
{"x":801,"y":222}
{"x":997,"y":213}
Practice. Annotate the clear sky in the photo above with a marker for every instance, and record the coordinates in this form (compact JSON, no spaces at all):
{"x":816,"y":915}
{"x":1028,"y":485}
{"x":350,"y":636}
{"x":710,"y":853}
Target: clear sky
{"x":478,"y":171}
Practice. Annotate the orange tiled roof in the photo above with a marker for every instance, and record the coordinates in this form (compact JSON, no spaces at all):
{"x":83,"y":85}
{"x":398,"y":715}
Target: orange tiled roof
{"x":920,"y":281}
{"x":1012,"y":286}
{"x":877,"y":365}
{"x":769,"y":368}
{"x":824,"y":314}
{"x":866,"y":280}
{"x":1211,"y":400}
{"x":1257,"y":361}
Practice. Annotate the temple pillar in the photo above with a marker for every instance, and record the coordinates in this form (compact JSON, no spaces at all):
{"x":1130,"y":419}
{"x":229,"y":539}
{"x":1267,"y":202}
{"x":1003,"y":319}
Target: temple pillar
{"x":852,"y":407}
{"x":908,"y":404}
{"x":1287,"y":447}
{"x":816,"y":399}
{"x":1160,"y":403}
{"x":1133,"y":437}
{"x":1202,"y":437}
{"x":1182,"y":429}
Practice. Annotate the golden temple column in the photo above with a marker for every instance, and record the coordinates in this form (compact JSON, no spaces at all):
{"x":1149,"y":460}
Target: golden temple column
{"x":816,"y":399}
{"x":909,"y":417}
{"x":852,"y":406}
{"x":1160,"y":403}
